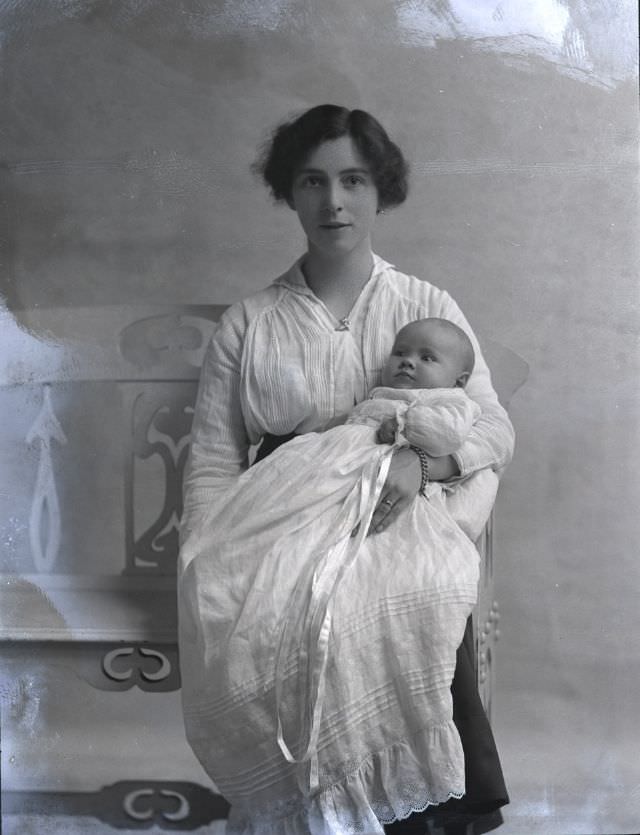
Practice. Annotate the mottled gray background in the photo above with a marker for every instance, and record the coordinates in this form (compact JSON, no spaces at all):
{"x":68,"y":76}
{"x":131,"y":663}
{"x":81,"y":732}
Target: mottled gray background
{"x":127,"y":133}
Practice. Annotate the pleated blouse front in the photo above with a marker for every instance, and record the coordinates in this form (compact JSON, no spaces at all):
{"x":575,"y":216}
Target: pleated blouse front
{"x":280,"y":362}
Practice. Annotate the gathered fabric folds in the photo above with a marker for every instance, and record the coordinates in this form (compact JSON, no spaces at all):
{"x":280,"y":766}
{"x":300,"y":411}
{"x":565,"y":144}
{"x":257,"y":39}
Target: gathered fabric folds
{"x":389,"y":785}
{"x":317,"y":661}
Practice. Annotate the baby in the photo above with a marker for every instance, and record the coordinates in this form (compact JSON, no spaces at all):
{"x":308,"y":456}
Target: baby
{"x":427,"y":354}
{"x":437,"y":354}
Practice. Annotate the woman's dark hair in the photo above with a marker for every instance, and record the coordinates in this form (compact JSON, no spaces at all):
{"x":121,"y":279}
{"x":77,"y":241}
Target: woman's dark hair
{"x":293,"y":142}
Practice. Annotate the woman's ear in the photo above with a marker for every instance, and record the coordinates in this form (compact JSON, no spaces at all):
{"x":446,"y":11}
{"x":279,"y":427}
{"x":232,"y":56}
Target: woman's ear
{"x":461,"y":380}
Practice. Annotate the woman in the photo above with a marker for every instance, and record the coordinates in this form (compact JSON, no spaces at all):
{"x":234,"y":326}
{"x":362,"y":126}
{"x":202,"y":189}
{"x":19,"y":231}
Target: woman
{"x":294,"y":358}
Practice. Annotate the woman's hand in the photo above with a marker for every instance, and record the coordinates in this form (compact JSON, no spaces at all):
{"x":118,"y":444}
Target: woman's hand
{"x":403,"y":483}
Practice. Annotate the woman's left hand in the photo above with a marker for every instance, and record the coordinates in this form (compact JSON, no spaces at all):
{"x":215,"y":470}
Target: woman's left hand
{"x":403,"y":483}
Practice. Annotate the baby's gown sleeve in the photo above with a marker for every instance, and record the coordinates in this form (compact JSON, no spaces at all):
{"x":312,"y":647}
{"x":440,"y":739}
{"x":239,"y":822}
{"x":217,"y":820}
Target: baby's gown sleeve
{"x":439,"y":420}
{"x":440,"y":425}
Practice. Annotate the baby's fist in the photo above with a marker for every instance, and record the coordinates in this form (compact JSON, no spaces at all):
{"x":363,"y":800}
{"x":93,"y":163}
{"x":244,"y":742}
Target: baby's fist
{"x":387,"y":430}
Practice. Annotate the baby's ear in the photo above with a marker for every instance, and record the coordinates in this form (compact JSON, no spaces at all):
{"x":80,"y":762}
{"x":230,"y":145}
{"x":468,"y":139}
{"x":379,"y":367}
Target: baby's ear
{"x":461,"y":380}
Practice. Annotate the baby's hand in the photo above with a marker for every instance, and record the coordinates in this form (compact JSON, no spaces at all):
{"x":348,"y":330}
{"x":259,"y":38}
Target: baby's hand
{"x":387,"y":431}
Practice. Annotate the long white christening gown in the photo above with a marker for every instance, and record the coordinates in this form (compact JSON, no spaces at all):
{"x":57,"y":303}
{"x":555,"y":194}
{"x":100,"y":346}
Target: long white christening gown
{"x":317,"y":661}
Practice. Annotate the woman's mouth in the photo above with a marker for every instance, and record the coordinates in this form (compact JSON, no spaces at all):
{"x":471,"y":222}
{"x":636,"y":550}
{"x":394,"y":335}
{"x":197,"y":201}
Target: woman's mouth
{"x":334,"y":226}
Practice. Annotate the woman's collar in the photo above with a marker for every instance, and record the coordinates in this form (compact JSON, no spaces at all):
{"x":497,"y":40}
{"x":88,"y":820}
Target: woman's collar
{"x":294,"y":278}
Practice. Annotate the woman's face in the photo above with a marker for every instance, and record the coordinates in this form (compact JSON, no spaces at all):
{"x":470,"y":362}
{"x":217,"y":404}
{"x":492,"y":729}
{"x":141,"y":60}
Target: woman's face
{"x":336,"y":198}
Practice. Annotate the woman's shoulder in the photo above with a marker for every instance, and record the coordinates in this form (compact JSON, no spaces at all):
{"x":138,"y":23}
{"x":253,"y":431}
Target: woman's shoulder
{"x":242,"y":313}
{"x":412,"y":289}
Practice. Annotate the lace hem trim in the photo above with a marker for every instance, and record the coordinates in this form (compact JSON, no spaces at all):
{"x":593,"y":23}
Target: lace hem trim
{"x":389,"y":785}
{"x":415,"y":810}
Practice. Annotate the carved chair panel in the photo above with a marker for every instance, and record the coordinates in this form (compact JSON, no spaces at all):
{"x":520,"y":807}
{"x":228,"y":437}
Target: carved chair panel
{"x":93,"y":451}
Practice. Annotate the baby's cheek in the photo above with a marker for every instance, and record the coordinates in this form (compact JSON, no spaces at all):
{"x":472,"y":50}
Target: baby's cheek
{"x":387,"y":375}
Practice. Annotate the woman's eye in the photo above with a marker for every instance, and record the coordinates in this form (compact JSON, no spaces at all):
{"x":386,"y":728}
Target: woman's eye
{"x":311,"y":182}
{"x":354,"y":180}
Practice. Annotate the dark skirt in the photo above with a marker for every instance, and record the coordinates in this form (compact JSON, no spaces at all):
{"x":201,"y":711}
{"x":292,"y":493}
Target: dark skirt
{"x":478,"y":811}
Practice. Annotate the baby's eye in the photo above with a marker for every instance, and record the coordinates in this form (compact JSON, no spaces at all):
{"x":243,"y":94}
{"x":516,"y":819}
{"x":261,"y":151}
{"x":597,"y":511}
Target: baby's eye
{"x":428,"y":358}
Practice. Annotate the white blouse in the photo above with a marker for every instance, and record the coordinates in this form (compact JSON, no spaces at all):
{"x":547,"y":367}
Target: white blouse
{"x":280,"y":362}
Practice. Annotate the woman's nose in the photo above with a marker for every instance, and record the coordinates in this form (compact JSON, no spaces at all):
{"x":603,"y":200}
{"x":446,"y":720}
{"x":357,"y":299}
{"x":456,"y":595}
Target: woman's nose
{"x":334,"y":198}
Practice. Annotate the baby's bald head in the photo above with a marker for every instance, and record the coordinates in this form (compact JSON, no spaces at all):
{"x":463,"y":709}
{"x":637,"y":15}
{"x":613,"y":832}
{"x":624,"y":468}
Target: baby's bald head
{"x":430,"y":353}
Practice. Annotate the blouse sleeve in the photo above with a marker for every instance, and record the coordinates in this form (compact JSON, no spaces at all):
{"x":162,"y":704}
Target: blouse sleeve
{"x":219,"y":442}
{"x":491,"y":439}
{"x":442,"y":423}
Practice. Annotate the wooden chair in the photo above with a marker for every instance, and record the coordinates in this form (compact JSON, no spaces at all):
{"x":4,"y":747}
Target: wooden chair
{"x":98,"y":405}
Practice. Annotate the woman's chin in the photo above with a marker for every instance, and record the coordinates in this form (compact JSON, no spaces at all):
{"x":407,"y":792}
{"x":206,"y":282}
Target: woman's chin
{"x":339,"y":244}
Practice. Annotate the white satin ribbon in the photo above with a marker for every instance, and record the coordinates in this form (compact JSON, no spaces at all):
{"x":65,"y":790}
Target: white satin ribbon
{"x":318,"y":591}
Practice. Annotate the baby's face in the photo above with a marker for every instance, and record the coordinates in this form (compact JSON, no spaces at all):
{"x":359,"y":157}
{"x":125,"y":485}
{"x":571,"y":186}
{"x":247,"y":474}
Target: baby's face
{"x":424,"y":356}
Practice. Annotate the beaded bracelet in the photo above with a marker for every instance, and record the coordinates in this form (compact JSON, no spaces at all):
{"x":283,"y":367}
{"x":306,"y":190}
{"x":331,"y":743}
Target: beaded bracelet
{"x":424,"y":468}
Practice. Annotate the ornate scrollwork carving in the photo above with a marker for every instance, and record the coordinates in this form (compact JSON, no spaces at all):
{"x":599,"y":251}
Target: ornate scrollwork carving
{"x":170,"y":805}
{"x":161,"y":425}
{"x":138,"y":671}
{"x":183,"y":810}
{"x":45,"y":506}
{"x":133,"y":811}
{"x":489,"y":629}
{"x":128,"y":805}
{"x":486,"y":679}
{"x":157,"y":340}
{"x":488,"y":634}
{"x":164,"y":670}
{"x":108,"y":668}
